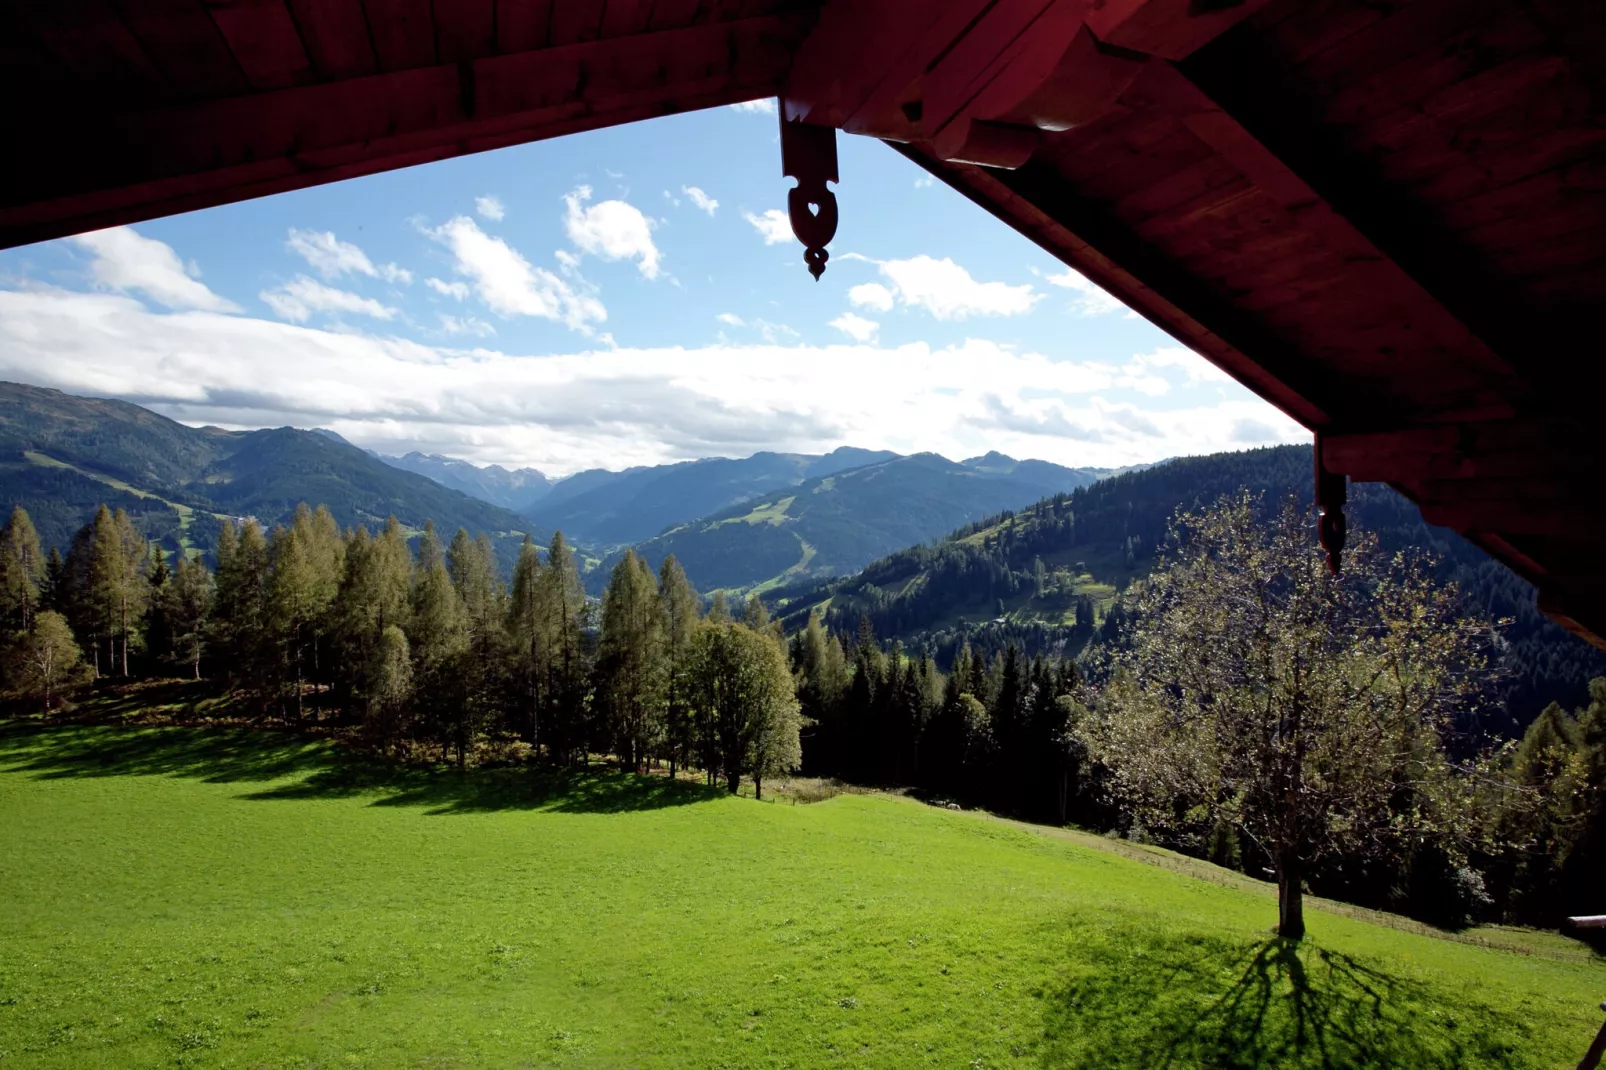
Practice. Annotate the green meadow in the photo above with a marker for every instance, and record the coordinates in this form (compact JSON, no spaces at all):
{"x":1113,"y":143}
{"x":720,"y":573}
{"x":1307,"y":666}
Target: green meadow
{"x":220,"y":898}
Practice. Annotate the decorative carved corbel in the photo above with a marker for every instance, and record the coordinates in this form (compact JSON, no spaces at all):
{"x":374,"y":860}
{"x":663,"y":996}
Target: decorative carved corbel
{"x":808,"y":154}
{"x":1332,"y":491}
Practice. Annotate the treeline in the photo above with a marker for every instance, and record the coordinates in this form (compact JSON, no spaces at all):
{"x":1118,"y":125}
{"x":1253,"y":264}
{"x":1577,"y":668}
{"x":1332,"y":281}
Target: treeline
{"x":424,"y":646}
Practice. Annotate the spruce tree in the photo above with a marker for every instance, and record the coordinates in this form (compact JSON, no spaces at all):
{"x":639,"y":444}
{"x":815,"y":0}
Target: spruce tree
{"x":631,"y":666}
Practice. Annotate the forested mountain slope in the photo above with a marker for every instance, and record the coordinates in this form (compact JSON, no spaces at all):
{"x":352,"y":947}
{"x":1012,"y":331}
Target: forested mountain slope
{"x":836,"y":523}
{"x":1048,"y":577}
{"x":61,"y":456}
{"x":615,"y":509}
{"x":605,"y":508}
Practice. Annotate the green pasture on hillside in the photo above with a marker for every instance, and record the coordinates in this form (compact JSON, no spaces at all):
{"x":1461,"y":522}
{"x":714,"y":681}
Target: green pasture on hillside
{"x":211,"y":897}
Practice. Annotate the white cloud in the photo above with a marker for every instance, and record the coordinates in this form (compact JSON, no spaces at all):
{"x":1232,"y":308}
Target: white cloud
{"x":856,"y":327}
{"x":609,"y":407}
{"x":948,"y":291}
{"x":762,"y":106}
{"x":332,"y":258}
{"x":730,"y":319}
{"x":509,"y":284}
{"x":489,"y":207}
{"x":1090,"y":299}
{"x":871,"y":295}
{"x":457,"y":291}
{"x":700,"y":199}
{"x":773,"y":226}
{"x":775,"y":333}
{"x":925,"y":181}
{"x":126,"y":261}
{"x":299,"y":298}
{"x":465,"y":325}
{"x":612,"y":230}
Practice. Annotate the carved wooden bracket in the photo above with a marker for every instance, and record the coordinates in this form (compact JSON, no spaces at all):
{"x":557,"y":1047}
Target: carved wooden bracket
{"x":1332,"y":491}
{"x":808,"y":154}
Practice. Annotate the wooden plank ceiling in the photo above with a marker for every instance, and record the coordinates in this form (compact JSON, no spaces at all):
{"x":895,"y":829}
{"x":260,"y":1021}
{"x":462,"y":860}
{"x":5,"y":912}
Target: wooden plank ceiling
{"x":121,"y":110}
{"x":1387,"y":217}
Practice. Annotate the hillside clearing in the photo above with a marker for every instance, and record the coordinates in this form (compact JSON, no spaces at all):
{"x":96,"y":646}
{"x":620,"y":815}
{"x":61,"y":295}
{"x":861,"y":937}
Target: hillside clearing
{"x":211,"y":897}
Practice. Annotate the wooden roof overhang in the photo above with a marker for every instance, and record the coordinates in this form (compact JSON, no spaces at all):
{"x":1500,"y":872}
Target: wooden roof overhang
{"x":1386,"y":217}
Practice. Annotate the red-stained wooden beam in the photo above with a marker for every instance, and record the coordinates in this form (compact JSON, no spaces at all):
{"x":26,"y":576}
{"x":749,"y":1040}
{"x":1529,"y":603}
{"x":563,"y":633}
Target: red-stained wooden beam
{"x":1037,"y":203}
{"x":133,"y":167}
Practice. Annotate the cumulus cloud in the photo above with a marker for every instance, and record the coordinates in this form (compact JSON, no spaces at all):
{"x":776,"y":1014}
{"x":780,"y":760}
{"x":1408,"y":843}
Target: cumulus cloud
{"x":510,"y":285}
{"x":773,"y":226}
{"x":1089,"y":298}
{"x":762,"y":106}
{"x":856,"y":327}
{"x":871,"y":295}
{"x":945,"y":290}
{"x":128,"y":262}
{"x":600,"y":406}
{"x":611,"y":230}
{"x":332,"y":258}
{"x":457,"y":291}
{"x":489,"y":207}
{"x":299,"y":298}
{"x":730,"y":319}
{"x":700,"y":199}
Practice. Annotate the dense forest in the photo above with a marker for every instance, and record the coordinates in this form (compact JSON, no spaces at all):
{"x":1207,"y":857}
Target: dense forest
{"x":429,"y":654}
{"x":1048,"y":579}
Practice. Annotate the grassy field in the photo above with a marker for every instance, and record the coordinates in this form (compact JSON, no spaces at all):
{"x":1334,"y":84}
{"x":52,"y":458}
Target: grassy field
{"x":207,"y":897}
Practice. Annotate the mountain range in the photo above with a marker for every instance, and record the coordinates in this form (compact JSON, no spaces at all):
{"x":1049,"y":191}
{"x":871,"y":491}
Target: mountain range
{"x":806,"y":515}
{"x":62,"y":455}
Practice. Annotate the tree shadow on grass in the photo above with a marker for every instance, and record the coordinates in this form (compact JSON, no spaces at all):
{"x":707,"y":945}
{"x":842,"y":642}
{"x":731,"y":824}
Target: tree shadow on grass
{"x":296,"y":767}
{"x":1163,"y":1001}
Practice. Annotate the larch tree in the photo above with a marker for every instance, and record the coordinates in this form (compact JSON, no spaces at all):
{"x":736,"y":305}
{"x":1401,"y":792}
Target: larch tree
{"x":630,"y":666}
{"x":242,"y":612}
{"x":471,"y":563}
{"x":526,"y":655}
{"x":679,"y":609}
{"x":390,"y":689}
{"x":1307,"y":711}
{"x":187,"y":605}
{"x":439,"y":638}
{"x":22,"y":571}
{"x":564,"y":617}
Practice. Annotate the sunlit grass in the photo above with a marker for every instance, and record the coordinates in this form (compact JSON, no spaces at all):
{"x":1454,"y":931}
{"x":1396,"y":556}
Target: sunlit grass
{"x":213,"y":897}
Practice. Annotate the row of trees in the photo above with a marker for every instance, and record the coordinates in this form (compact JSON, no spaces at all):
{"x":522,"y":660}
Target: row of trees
{"x":424,"y":644}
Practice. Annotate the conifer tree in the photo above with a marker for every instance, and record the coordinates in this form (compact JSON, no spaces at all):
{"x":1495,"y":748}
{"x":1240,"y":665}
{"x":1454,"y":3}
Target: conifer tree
{"x":439,"y":642}
{"x":472,"y":565}
{"x":22,"y":571}
{"x":241,"y":617}
{"x":564,"y":617}
{"x":631,"y":668}
{"x":677,"y":601}
{"x":527,"y":657}
{"x":186,"y":602}
{"x":391,"y":684}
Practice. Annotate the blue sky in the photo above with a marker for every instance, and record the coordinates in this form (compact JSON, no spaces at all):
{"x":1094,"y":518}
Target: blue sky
{"x":626,"y":296}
